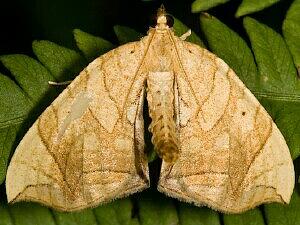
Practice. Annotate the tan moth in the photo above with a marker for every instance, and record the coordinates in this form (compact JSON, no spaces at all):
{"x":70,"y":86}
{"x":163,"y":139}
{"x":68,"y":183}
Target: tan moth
{"x":219,"y":146}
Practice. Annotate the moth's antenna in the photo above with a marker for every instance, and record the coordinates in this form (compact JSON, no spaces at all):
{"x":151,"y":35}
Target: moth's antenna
{"x":161,"y":10}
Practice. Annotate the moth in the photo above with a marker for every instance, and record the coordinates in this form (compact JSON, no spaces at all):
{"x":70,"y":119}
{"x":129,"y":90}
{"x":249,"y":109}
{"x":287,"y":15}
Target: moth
{"x":219,"y":147}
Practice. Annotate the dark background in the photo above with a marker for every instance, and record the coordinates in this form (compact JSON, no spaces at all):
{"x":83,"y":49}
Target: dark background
{"x":23,"y":21}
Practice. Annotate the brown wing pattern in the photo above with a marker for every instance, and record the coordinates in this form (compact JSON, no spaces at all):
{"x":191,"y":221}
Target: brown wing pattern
{"x":87,"y":146}
{"x":232,"y":155}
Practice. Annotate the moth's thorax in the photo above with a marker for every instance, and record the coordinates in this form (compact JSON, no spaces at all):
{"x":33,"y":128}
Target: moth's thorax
{"x":162,"y":24}
{"x":161,"y":54}
{"x":160,"y":96}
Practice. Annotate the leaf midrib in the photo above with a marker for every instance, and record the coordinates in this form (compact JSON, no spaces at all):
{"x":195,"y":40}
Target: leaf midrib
{"x":277,"y":96}
{"x":11,"y":122}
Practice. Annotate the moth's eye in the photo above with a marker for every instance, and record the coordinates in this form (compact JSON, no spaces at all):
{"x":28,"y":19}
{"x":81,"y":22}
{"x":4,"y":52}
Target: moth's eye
{"x":170,"y":21}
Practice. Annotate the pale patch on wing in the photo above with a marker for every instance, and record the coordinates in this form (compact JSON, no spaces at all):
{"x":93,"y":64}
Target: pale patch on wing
{"x":185,"y":113}
{"x":123,"y":143}
{"x":246,"y":114}
{"x":222,"y":141}
{"x":131,"y":113}
{"x":271,"y":166}
{"x":201,"y":70}
{"x":185,"y":99}
{"x":78,"y":108}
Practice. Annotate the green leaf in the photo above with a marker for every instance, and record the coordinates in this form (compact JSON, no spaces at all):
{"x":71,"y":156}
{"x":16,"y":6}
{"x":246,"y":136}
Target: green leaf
{"x":278,"y":214}
{"x":17,"y":102}
{"x":279,"y":87}
{"x":8,"y":136}
{"x":30,"y":213}
{"x":118,"y":212}
{"x":152,"y":155}
{"x":91,"y":46}
{"x":277,"y":71}
{"x":63,"y":63}
{"x":154,"y":211}
{"x":31,"y":75}
{"x":126,"y":34}
{"x":14,"y":104}
{"x":276,"y":85}
{"x":180,"y":29}
{"x":85,"y":217}
{"x":251,"y":217}
{"x":230,"y":47}
{"x":250,"y":6}
{"x":193,"y":215}
{"x":4,"y":215}
{"x":202,"y":5}
{"x":291,"y":30}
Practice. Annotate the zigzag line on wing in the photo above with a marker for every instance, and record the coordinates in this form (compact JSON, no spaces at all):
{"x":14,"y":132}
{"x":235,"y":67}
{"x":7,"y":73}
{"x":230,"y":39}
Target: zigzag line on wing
{"x":25,"y":188}
{"x":199,"y":173}
{"x":271,"y":200}
{"x":90,"y":203}
{"x":41,"y":171}
{"x":259,"y":149}
{"x":263,"y":143}
{"x":216,"y":205}
{"x":107,"y":170}
{"x":268,"y":170}
{"x":106,"y":88}
{"x":180,"y":64}
{"x":119,"y":131}
{"x":199,"y":110}
{"x":46,"y":144}
{"x":135,"y":75}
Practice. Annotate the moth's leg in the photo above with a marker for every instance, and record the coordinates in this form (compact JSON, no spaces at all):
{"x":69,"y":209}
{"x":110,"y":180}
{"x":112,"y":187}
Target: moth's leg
{"x":186,"y":35}
{"x":59,"y":83}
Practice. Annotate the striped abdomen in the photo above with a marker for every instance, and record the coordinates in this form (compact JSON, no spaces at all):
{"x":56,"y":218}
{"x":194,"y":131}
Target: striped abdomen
{"x":160,"y":96}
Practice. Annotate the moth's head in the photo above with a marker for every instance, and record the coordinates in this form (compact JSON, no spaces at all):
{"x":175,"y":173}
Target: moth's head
{"x":164,"y":20}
